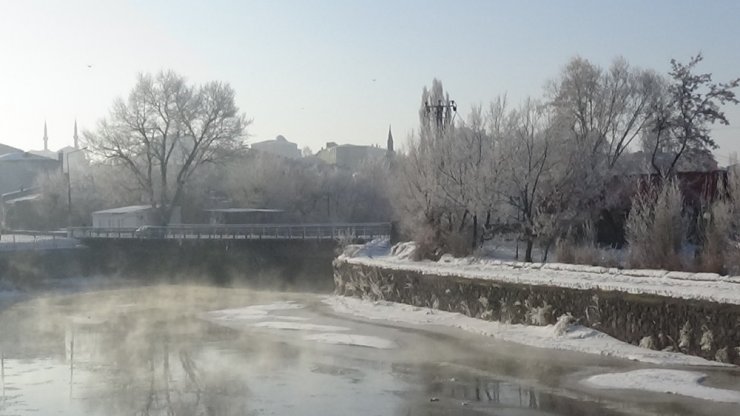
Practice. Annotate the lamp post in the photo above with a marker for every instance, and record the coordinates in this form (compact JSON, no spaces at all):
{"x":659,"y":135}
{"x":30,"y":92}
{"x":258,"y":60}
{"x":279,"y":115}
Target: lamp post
{"x":69,"y":186}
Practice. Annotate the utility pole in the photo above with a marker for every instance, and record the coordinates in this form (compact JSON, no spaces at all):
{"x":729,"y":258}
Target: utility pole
{"x":443,"y":112}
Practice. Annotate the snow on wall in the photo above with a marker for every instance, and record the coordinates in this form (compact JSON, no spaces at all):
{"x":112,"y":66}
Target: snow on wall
{"x":699,"y":286}
{"x":697,"y":314}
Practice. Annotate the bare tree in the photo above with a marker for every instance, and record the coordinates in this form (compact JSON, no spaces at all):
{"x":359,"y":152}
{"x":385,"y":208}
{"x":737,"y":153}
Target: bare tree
{"x":166,"y":130}
{"x":683,"y":117}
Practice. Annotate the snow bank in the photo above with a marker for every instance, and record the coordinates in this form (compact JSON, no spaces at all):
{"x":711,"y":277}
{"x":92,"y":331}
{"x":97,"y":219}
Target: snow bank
{"x":683,"y":383}
{"x":574,"y":338}
{"x":699,"y":286}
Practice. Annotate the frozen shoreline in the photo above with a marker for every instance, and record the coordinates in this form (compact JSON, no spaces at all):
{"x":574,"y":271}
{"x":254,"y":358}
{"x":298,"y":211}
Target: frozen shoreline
{"x":575,"y":338}
{"x":682,"y":383}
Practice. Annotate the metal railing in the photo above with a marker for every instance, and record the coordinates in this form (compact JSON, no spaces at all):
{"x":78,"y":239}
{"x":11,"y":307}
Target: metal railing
{"x":361,"y":231}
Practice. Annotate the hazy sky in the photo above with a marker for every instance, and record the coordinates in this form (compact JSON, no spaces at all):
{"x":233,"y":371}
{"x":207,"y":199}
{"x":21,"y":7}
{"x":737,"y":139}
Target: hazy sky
{"x":318,"y":71}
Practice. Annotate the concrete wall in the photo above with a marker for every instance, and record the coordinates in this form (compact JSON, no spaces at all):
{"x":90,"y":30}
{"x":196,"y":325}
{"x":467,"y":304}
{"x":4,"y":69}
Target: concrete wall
{"x":703,"y":328}
{"x":294,"y":266}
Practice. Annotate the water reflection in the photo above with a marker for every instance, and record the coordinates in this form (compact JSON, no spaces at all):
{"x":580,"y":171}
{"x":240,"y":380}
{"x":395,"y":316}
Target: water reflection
{"x":144,"y":364}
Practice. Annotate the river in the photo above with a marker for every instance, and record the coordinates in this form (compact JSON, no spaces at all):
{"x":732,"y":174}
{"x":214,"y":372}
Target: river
{"x":136,"y":349}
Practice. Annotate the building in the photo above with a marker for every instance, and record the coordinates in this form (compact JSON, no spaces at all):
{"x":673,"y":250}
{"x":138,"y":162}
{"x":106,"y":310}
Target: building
{"x":20,"y":170}
{"x":5,"y":149}
{"x":280,"y":146}
{"x":71,"y":154}
{"x":133,"y":216}
{"x":349,"y":156}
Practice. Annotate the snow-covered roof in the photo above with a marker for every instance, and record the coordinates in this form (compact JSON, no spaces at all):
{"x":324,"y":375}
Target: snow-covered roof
{"x":45,"y":153}
{"x":124,"y":210}
{"x":23,"y":198}
{"x":4,"y":149}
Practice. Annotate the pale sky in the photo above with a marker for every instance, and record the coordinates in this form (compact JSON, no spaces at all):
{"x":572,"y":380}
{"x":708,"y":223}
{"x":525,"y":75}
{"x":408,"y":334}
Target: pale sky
{"x":318,"y":71}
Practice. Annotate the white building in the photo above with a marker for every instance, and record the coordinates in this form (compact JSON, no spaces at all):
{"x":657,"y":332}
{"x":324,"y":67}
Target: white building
{"x":133,"y":216}
{"x":349,"y":156}
{"x":280,"y":146}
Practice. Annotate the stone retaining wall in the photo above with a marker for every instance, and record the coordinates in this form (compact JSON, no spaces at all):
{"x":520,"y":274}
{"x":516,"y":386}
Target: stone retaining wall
{"x":703,"y":328}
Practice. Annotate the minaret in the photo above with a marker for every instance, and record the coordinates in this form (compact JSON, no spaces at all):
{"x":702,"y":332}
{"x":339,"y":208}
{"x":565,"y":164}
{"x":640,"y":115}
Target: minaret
{"x":390,"y":140}
{"x":75,"y":136}
{"x":46,"y":138}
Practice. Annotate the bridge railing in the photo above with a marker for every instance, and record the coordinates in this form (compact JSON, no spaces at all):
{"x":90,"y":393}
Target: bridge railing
{"x":364,"y":231}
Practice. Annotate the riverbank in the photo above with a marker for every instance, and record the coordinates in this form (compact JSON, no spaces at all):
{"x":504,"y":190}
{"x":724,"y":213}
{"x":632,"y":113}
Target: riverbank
{"x":655,"y":311}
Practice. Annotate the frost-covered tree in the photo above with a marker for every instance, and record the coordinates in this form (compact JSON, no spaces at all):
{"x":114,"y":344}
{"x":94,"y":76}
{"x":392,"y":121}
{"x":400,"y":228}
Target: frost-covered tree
{"x":605,"y":110}
{"x":601,"y":114}
{"x":446,"y":183}
{"x":539,"y":179}
{"x":165,"y":131}
{"x":307,"y":190}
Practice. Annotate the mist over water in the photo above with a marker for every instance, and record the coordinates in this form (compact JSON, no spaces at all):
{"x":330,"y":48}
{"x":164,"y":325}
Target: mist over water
{"x":126,"y":348}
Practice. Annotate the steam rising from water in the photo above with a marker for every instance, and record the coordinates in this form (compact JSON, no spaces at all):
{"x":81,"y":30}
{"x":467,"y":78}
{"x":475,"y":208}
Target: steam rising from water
{"x":158,"y":350}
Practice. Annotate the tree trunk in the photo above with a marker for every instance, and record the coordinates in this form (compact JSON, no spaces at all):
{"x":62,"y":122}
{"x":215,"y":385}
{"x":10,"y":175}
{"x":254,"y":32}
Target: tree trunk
{"x":528,"y":252}
{"x":462,"y":223}
{"x":475,"y":231}
{"x":547,"y":251}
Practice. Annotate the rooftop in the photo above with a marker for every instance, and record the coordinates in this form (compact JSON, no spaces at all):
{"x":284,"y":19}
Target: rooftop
{"x":4,"y":149}
{"x":124,"y":210}
{"x":23,"y":156}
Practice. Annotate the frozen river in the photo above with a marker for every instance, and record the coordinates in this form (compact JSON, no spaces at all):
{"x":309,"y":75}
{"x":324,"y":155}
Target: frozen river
{"x":193,"y":350}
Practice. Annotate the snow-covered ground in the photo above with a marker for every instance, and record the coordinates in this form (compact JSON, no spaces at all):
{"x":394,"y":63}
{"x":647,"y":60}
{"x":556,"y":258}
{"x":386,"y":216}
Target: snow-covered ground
{"x":558,"y":337}
{"x":700,"y":286}
{"x":683,"y":383}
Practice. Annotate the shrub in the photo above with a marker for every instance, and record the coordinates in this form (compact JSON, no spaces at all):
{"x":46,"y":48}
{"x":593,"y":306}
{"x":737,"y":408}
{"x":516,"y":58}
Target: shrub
{"x":432,"y":242}
{"x":716,"y":247}
{"x":567,"y":251}
{"x":656,"y":228}
{"x":427,"y":244}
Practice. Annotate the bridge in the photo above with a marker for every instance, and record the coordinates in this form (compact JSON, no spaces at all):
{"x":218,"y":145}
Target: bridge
{"x":287,"y":232}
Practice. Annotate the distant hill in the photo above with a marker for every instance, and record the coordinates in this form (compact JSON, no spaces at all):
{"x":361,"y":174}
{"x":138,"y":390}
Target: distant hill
{"x":8,"y":149}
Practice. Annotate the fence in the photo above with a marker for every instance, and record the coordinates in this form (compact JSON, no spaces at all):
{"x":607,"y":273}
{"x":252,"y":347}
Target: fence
{"x":355,"y":231}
